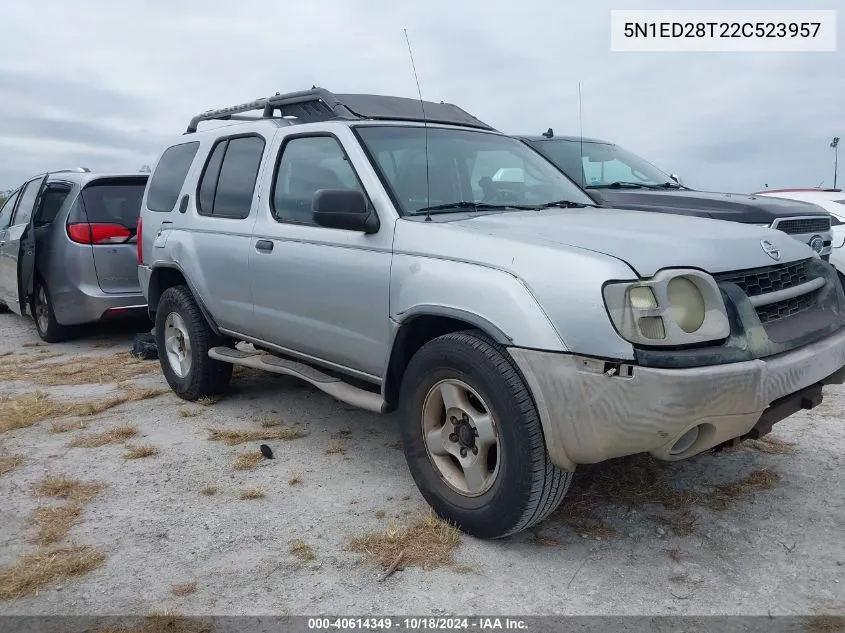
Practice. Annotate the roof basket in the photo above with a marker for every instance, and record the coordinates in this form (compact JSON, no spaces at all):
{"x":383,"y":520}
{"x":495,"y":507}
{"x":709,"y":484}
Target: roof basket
{"x":318,"y":104}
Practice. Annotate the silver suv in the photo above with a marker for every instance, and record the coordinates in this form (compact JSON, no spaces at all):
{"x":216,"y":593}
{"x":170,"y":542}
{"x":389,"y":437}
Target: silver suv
{"x":360,"y":243}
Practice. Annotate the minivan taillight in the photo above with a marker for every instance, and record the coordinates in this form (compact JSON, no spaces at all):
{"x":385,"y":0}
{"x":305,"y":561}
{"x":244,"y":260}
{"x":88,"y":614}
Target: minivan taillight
{"x":98,"y":233}
{"x":138,"y":238}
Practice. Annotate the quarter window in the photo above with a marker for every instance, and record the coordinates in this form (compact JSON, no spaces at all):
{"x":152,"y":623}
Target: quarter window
{"x":308,"y":164}
{"x":228,"y":180}
{"x":169,"y":176}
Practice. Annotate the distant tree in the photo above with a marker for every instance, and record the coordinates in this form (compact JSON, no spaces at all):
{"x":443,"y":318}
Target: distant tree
{"x":3,"y":198}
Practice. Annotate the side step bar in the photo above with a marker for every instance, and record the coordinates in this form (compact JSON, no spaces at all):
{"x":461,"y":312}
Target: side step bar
{"x":335,"y":387}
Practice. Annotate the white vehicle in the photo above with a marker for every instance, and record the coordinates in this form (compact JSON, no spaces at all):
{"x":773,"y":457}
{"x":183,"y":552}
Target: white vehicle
{"x":831,"y":200}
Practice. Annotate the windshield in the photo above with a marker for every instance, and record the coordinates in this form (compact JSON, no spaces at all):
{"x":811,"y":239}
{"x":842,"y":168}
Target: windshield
{"x":601,"y":164}
{"x":464,"y":170}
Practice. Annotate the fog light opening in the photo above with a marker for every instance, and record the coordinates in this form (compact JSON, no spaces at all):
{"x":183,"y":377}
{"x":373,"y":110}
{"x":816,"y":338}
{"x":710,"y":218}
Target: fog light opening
{"x":685,"y":442}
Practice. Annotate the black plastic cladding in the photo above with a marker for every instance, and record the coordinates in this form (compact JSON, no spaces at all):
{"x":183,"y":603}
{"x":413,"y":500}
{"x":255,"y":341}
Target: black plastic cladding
{"x":318,"y":104}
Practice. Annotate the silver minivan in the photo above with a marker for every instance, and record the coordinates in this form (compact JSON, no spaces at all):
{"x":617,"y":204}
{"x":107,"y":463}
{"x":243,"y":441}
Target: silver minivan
{"x":68,"y":253}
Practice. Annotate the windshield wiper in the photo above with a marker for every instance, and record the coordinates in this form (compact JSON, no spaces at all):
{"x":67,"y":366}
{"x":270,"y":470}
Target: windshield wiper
{"x":565,"y":204}
{"x":475,"y":206}
{"x":671,"y":185}
{"x":621,"y":184}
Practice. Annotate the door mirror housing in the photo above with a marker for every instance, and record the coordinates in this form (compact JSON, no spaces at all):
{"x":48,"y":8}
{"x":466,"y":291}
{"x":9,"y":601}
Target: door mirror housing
{"x":344,"y":209}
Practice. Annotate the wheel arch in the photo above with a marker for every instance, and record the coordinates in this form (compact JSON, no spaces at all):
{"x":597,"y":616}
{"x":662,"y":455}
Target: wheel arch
{"x":421,"y":325}
{"x":166,"y":276}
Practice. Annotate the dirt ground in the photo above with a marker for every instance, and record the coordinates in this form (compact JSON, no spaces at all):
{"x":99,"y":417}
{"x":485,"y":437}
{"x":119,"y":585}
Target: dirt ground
{"x":147,"y":510}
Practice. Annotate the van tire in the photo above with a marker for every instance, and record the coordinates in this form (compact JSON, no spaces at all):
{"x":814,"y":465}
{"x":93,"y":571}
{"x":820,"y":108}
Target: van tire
{"x":177,"y":311}
{"x":41,"y":307}
{"x":526,"y":485}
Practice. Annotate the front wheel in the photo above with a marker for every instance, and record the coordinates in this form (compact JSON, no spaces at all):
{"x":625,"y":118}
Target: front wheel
{"x":473,"y":439}
{"x":183,"y":338}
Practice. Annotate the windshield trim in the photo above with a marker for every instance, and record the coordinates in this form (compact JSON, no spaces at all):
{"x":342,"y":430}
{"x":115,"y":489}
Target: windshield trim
{"x":388,"y":188}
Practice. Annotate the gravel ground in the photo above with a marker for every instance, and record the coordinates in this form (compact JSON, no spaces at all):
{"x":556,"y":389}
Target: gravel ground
{"x":773,"y":551}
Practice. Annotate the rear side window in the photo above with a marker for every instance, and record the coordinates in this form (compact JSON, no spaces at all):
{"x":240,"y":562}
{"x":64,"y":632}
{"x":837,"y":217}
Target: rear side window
{"x":170,"y":175}
{"x":228,"y":180}
{"x":110,"y":202}
{"x":51,"y":203}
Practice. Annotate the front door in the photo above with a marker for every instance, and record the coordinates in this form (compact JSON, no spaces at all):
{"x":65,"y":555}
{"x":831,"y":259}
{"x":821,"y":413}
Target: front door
{"x":18,"y":250}
{"x":321,"y":292}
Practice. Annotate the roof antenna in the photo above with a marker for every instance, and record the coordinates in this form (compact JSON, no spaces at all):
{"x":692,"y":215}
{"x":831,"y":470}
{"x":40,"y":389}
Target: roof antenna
{"x":581,"y":138}
{"x":549,"y":133}
{"x":425,"y":126}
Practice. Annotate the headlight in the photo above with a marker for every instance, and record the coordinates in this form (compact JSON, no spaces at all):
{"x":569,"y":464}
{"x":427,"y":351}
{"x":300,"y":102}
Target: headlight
{"x":675,"y":307}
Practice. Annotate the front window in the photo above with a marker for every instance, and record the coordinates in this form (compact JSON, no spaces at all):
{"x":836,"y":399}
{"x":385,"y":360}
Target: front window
{"x":463,"y":169}
{"x":599,"y":165}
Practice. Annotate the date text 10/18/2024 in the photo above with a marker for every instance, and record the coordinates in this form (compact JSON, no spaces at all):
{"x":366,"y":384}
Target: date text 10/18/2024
{"x":417,"y":624}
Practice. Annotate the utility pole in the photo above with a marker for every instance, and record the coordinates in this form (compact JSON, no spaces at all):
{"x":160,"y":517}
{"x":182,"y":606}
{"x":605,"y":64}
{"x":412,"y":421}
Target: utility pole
{"x":835,"y":145}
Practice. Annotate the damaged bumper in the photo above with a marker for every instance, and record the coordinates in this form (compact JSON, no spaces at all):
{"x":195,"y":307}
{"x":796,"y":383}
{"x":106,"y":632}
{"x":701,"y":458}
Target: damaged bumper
{"x":592,"y":410}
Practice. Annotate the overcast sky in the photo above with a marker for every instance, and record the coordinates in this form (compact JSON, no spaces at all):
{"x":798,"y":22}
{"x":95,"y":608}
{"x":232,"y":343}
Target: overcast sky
{"x":104,"y":84}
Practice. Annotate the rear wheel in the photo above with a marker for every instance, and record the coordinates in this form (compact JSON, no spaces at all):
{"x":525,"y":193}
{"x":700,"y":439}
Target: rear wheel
{"x":41,"y":306}
{"x":183,"y":339}
{"x":473,"y":440}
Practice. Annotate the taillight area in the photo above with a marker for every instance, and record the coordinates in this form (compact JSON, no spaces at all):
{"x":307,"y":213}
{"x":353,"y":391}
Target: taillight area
{"x":98,"y":233}
{"x":138,"y":236}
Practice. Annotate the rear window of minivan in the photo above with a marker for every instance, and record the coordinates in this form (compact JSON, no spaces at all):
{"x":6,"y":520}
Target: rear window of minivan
{"x":113,"y":201}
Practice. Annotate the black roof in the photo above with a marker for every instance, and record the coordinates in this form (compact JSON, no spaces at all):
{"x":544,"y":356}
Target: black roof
{"x":319,"y":104}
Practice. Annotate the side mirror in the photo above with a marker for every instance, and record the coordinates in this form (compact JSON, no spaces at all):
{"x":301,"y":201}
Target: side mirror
{"x":676,"y":178}
{"x":343,"y":209}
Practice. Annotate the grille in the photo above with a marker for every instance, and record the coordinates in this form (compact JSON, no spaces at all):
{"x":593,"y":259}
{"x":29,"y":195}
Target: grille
{"x":761,"y":281}
{"x":812,"y":225}
{"x":783,"y":309}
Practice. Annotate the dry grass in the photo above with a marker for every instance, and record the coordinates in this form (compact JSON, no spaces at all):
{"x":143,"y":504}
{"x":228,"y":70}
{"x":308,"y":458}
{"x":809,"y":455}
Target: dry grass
{"x":115,"y":435}
{"x":66,"y":488}
{"x":185,"y":589}
{"x":768,"y":444}
{"x":9,"y":462}
{"x":269,"y":423}
{"x":336,"y":447}
{"x":428,"y":542}
{"x":36,"y":571}
{"x":380,"y":514}
{"x":251,"y":493}
{"x":139,"y":452}
{"x":67,"y":427}
{"x":302,"y":550}
{"x":682,"y":522}
{"x":207,"y":401}
{"x":83,"y":370}
{"x":825,"y":624}
{"x":248,"y":461}
{"x":188,"y":413}
{"x":294,"y":479}
{"x":674,"y":553}
{"x":34,"y":344}
{"x":209,"y":491}
{"x":233,"y":437}
{"x":25,"y":410}
{"x":53,"y":524}
{"x":725,"y":495}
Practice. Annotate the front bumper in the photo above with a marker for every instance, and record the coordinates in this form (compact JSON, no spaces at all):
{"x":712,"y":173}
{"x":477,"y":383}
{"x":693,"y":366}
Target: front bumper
{"x":589,"y":416}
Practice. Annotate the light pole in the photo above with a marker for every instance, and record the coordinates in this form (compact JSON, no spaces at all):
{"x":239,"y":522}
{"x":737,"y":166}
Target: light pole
{"x":835,"y":145}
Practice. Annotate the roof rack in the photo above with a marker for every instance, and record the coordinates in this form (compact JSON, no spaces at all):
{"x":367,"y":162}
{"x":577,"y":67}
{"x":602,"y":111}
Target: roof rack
{"x":318,"y":104}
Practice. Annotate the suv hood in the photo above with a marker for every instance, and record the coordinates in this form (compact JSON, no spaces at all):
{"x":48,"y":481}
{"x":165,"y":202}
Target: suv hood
{"x":645,"y":241}
{"x":735,"y":207}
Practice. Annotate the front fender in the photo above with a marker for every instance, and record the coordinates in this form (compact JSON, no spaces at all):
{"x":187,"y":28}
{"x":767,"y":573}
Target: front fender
{"x":493,"y":300}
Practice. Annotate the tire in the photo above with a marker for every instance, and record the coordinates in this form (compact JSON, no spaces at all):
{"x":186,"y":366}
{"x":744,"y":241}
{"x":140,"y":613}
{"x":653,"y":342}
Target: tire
{"x":200,"y":376}
{"x":41,"y":307}
{"x":524,"y":486}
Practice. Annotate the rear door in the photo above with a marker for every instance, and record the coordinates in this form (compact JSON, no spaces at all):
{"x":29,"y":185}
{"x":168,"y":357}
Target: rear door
{"x":5,"y":254}
{"x":105,"y":216}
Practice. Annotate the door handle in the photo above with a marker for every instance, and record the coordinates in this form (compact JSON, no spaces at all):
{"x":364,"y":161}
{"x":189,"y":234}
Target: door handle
{"x":265,"y":246}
